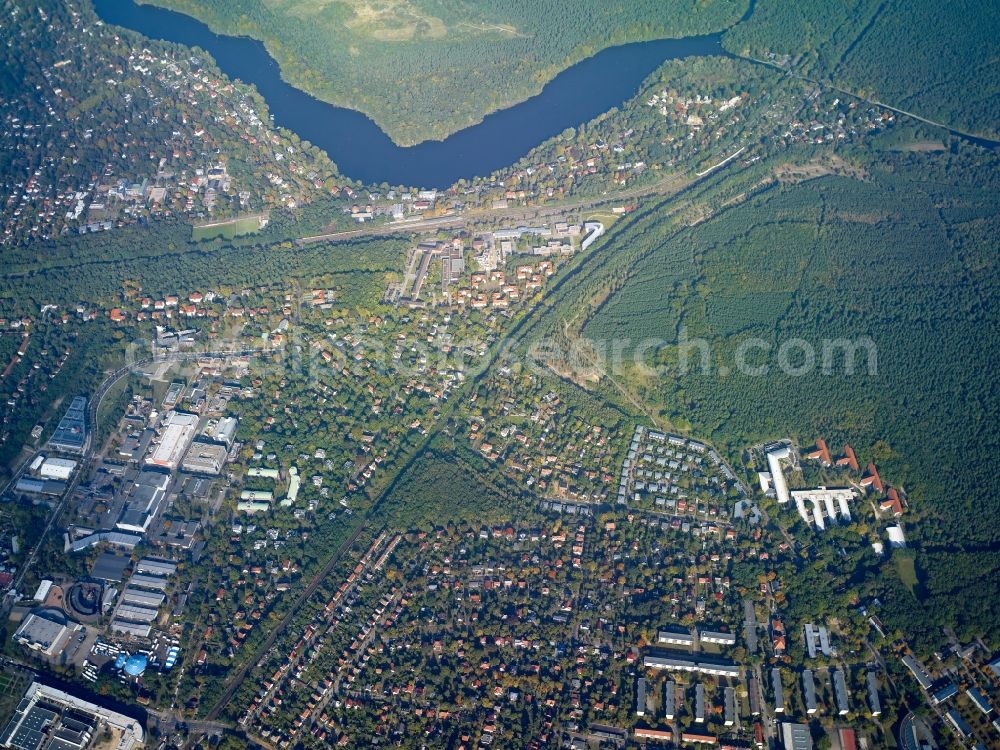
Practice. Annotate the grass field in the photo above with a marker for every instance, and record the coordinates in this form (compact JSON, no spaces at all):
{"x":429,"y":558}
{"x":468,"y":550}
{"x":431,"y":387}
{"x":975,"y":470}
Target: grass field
{"x":906,"y":567}
{"x":227,"y":230}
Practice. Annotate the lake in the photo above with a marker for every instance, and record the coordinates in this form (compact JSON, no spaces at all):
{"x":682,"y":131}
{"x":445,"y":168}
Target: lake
{"x":364,"y":152}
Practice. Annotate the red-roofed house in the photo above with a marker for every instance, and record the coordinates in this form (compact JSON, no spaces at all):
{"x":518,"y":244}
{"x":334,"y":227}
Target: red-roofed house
{"x":892,"y":502}
{"x":846,"y":739}
{"x":848,"y":459}
{"x":872,"y":479}
{"x":820,"y":453}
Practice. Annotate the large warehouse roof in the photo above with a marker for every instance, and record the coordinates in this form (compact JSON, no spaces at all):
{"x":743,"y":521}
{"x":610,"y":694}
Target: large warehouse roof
{"x":178,"y":430}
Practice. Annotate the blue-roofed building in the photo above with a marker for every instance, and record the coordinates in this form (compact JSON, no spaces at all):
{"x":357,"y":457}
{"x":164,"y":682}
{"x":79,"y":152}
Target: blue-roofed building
{"x":958,"y":722}
{"x":840,"y":692}
{"x":809,"y":691}
{"x":71,"y":433}
{"x":995,"y":667}
{"x":873,"y":700}
{"x":136,"y":665}
{"x":942,"y":694}
{"x":981,"y":701}
{"x":918,"y":671}
{"x":779,"y":691}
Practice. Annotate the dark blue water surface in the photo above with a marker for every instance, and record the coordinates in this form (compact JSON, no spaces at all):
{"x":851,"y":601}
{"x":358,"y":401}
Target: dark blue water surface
{"x":364,"y":152}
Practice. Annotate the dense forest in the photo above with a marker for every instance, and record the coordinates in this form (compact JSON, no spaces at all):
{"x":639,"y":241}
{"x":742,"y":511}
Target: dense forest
{"x":424,"y":69}
{"x":938,"y":60}
{"x":161,"y":259}
{"x":449,"y":483}
{"x":896,"y":258}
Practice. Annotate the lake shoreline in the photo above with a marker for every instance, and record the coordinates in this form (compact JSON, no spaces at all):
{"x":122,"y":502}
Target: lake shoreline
{"x":363,"y":151}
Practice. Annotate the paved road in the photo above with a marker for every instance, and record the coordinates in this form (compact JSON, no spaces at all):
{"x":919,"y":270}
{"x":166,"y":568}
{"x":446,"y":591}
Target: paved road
{"x":750,"y":625}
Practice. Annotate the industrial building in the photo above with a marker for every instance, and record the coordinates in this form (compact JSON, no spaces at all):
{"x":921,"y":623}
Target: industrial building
{"x":46,"y":714}
{"x":148,"y":582}
{"x":222,"y":430}
{"x":114,"y":538}
{"x":40,"y":486}
{"x":205,"y":458}
{"x":155,"y":567}
{"x":42,"y":592}
{"x":176,"y":433}
{"x":44,"y":633}
{"x":71,"y":433}
{"x":137,"y":630}
{"x":57,"y":468}
{"x":133,"y":613}
{"x":145,"y":498}
{"x":142,"y":598}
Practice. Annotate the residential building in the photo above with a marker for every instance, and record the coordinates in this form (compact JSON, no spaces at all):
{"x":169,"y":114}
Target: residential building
{"x":640,"y":697}
{"x":840,"y":692}
{"x":779,"y":691}
{"x":874,"y":704}
{"x":716,"y":637}
{"x":729,"y":703}
{"x":809,"y":691}
{"x":673,"y":638}
{"x":918,"y":671}
{"x":944,"y":693}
